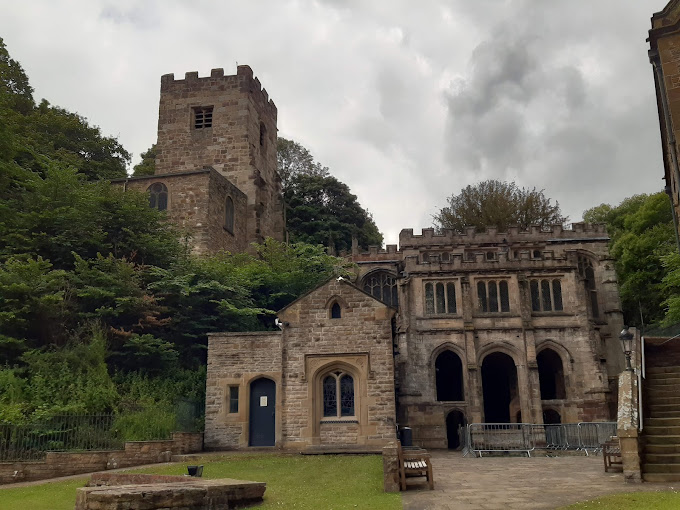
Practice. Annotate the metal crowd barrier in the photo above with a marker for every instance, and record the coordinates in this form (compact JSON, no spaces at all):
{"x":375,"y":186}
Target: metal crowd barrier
{"x":527,"y":437}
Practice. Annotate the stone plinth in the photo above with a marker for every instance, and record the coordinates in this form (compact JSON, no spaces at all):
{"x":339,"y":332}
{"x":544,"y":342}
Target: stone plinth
{"x":390,"y":468}
{"x":192,"y":494}
{"x":627,"y":426}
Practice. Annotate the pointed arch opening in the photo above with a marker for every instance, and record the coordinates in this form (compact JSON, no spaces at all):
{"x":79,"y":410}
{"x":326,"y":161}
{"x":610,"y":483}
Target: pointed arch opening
{"x":499,"y":383}
{"x":551,"y":375}
{"x":449,"y":377}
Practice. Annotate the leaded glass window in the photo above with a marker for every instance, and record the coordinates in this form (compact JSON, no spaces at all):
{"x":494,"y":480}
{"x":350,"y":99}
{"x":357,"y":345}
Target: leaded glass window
{"x":441,"y":304}
{"x":481,"y":296}
{"x":158,"y":196}
{"x":451,"y":297}
{"x":346,"y":395}
{"x":382,"y":286}
{"x":429,"y":299}
{"x":493,"y":297}
{"x":330,"y":400}
{"x":338,"y":383}
{"x":557,"y":294}
{"x":546,"y":295}
{"x":505,"y":301}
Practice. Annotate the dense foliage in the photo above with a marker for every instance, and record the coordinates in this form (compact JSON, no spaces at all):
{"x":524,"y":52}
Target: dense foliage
{"x":102,"y":307}
{"x":498,"y":204}
{"x":642,"y":238}
{"x":319,"y":208}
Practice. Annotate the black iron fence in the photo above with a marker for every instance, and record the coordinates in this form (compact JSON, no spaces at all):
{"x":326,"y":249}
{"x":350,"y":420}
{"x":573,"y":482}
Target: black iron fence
{"x":58,"y":433}
{"x":80,"y":432}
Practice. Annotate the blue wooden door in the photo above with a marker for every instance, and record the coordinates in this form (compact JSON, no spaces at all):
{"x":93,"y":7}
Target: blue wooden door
{"x":262,"y":425}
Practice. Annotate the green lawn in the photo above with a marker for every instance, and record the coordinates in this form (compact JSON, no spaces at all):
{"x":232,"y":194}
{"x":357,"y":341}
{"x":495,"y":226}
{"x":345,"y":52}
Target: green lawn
{"x":669,"y":500}
{"x":293,"y":481}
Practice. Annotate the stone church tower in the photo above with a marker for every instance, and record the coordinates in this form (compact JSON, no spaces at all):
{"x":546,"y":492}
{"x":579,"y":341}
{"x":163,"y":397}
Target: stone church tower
{"x":216,"y":161}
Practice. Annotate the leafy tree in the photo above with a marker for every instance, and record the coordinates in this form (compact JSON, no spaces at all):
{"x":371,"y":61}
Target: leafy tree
{"x":293,"y":159}
{"x":498,"y":204}
{"x":322,"y":210}
{"x":671,"y":287}
{"x":147,"y":166}
{"x":14,"y":83}
{"x":642,"y":235}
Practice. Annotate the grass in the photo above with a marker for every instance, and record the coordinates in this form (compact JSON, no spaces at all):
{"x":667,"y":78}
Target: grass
{"x":293,"y":481}
{"x":668,"y":500}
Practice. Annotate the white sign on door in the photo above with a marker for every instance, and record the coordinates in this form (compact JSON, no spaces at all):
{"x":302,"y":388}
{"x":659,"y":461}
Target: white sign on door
{"x":263,"y":401}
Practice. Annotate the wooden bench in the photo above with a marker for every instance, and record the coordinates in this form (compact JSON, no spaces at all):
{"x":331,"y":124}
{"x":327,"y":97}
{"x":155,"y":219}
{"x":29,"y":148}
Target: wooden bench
{"x":414,"y":463}
{"x":611,"y":453}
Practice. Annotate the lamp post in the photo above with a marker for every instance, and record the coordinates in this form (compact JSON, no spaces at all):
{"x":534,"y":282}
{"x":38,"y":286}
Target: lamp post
{"x":626,"y":338}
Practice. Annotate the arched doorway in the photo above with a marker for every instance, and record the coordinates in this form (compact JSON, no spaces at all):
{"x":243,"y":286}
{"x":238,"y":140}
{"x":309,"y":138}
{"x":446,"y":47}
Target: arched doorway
{"x":499,"y":383}
{"x":449,"y":376}
{"x":455,"y":429}
{"x":262,"y":422}
{"x":550,"y":375}
{"x":551,"y":417}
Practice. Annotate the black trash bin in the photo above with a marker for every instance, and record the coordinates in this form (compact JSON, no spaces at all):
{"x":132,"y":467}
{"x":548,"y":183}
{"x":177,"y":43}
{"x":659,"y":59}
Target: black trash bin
{"x":406,"y":436}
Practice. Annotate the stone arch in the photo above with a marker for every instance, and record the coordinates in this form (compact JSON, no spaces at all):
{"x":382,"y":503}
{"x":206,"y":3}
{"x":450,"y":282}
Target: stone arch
{"x":159,"y":196}
{"x":504,"y":347}
{"x":331,"y":303}
{"x":551,"y":416}
{"x":455,"y":428}
{"x":448,"y":375}
{"x":551,"y":375}
{"x":500,"y":386}
{"x":316,"y":391}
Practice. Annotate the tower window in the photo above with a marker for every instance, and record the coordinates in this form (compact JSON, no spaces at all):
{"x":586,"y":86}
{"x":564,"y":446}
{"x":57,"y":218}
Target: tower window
{"x":158,"y":196}
{"x":203,"y":117}
{"x":229,"y":215}
{"x":263,"y":134}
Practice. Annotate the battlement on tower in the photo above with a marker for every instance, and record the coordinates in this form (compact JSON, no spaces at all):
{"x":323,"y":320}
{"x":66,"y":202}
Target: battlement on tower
{"x":243,"y":80}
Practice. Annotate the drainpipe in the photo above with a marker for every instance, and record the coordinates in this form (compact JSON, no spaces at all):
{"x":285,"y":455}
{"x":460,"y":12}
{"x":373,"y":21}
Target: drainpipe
{"x":656,"y":63}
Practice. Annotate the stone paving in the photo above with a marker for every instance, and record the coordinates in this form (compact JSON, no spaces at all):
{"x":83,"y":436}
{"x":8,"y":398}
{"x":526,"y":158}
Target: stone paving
{"x":516,"y":482}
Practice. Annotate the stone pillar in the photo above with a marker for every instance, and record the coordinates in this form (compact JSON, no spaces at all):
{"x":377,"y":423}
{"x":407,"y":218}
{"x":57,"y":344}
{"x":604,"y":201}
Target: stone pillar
{"x":627,"y":426}
{"x":390,"y":468}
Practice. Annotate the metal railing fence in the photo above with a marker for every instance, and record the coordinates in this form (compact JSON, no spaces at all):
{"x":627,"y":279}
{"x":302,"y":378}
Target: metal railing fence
{"x":58,"y":433}
{"x":526,"y":437}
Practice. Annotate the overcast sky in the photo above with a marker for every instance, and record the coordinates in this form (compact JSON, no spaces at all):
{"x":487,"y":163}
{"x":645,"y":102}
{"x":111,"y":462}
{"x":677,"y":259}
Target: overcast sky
{"x":406,"y":102}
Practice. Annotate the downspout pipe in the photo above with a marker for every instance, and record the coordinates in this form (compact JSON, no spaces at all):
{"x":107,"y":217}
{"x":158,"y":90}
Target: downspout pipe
{"x":656,"y":64}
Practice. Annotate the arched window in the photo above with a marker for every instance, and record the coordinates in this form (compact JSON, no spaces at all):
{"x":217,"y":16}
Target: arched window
{"x":585,"y":269}
{"x":382,"y":286}
{"x":338,"y":384}
{"x":440,"y":298}
{"x":543,"y":299}
{"x":488,"y":294}
{"x":158,"y":196}
{"x":336,"y":311}
{"x":229,"y":214}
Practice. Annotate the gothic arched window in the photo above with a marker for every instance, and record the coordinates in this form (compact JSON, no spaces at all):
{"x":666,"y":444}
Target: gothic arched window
{"x":338,"y":384}
{"x":382,"y":286}
{"x":158,"y":196}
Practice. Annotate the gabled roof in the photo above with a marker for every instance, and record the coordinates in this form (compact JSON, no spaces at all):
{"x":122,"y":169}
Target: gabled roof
{"x":339,"y":279}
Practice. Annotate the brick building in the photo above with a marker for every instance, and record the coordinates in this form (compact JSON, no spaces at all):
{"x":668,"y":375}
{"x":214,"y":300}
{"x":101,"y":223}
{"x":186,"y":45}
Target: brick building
{"x":216,"y":161}
{"x":516,"y":326}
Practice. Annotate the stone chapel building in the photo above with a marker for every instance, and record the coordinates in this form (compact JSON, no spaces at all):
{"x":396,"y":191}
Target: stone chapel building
{"x":446,"y":329}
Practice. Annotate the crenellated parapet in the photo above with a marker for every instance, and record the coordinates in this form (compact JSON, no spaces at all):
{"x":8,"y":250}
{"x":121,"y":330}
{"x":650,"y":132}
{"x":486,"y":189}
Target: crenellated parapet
{"x":243,"y":79}
{"x":491,"y":235}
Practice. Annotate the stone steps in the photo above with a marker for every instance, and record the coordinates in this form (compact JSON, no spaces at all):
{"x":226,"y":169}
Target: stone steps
{"x":661,"y":435}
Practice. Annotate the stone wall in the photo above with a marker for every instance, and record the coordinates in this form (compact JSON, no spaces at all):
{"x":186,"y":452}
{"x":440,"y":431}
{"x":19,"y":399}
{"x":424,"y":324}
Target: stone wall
{"x":240,"y":144}
{"x":196,"y":205}
{"x":585,"y":342}
{"x":235,"y":360}
{"x":311,"y":346}
{"x":136,"y":453}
